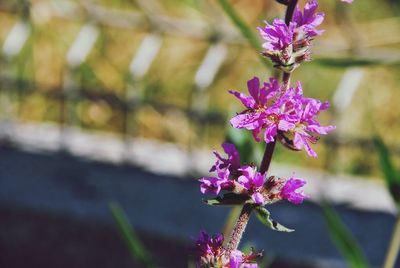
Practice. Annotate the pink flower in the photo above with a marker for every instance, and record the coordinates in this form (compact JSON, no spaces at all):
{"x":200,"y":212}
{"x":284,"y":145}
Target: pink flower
{"x":302,"y":122}
{"x":278,"y":35}
{"x":347,"y":1}
{"x":289,"y":113}
{"x":252,"y":181}
{"x":232,"y":162}
{"x":289,"y":190}
{"x":210,"y":185}
{"x":235,"y":259}
{"x":259,"y":113}
{"x":207,"y":248}
{"x":224,"y":167}
{"x":213,"y":185}
{"x":308,"y":21}
{"x":238,"y":260}
{"x":209,"y":244}
{"x":232,"y":177}
{"x":289,"y":45}
{"x":209,"y":252}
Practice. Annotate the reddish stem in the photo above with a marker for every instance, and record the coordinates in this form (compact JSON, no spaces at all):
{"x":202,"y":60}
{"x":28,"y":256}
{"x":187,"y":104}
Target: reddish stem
{"x":238,"y":229}
{"x":244,"y":216}
{"x":290,"y":10}
{"x":266,"y":161}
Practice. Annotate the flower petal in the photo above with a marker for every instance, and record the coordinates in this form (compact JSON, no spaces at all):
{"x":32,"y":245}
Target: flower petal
{"x":247,"y":101}
{"x":258,"y":198}
{"x":253,"y":86}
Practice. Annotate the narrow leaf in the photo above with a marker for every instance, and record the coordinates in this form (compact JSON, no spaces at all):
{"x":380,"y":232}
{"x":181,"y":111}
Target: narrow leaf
{"x":229,"y":199}
{"x":136,"y":248}
{"x":264,"y":216}
{"x":344,"y":239}
{"x":243,"y":28}
{"x":392,"y":177}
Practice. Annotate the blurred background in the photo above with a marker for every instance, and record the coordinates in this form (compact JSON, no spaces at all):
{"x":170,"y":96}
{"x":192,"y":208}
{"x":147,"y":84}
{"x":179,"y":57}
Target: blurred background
{"x":123,"y":100}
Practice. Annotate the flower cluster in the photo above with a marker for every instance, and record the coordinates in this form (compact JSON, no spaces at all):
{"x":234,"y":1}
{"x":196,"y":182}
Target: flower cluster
{"x":277,"y":113}
{"x":208,"y":252}
{"x":286,"y":114}
{"x":247,"y":181}
{"x":288,"y":45}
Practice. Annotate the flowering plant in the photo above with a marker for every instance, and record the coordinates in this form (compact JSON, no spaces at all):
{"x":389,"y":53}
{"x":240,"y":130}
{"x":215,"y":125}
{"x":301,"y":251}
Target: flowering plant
{"x":279,"y":113}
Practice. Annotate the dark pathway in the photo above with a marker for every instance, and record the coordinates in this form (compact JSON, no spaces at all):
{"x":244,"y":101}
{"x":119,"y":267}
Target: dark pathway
{"x":54,"y":213}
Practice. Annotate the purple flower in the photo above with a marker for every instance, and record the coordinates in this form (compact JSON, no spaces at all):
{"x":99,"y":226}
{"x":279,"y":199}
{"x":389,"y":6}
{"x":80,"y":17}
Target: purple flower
{"x":209,"y":252}
{"x":308,"y":20}
{"x":213,"y":185}
{"x":252,"y":181}
{"x":207,"y":249}
{"x":210,"y":185}
{"x":236,"y":259}
{"x":289,"y":190}
{"x":289,"y":45}
{"x":278,"y":36}
{"x":300,"y":119}
{"x":250,"y":265}
{"x":308,"y":125}
{"x":224,"y":167}
{"x":288,"y":113}
{"x":209,"y":244}
{"x":232,"y":162}
{"x":259,"y":113}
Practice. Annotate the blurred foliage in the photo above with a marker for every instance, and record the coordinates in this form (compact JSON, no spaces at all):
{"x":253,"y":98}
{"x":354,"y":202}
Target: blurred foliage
{"x":137,"y":250}
{"x":344,"y":239}
{"x":248,"y":33}
{"x":362,"y":36}
{"x":391,"y":174}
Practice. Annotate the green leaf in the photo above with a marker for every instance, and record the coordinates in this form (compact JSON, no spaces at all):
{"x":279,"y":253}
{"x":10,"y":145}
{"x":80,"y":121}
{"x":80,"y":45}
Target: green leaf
{"x":229,"y":199}
{"x":245,"y":30}
{"x":344,"y":239}
{"x":136,"y":248}
{"x":264,"y":216}
{"x":391,"y":175}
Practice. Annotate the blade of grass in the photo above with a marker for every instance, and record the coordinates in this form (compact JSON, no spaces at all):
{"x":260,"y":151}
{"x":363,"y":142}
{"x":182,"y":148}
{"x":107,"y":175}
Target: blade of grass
{"x":344,"y":239}
{"x":385,"y":161}
{"x":394,"y":247}
{"x":230,"y":220}
{"x":392,"y":178}
{"x":391,"y":175}
{"x":137,"y":250}
{"x":245,"y":30}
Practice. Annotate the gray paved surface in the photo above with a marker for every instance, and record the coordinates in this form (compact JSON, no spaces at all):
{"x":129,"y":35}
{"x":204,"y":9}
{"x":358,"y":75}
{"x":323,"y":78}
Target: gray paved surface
{"x":61,"y":189}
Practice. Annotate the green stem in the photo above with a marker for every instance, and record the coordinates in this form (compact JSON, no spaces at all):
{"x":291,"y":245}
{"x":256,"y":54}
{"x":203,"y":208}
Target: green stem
{"x":394,"y":246}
